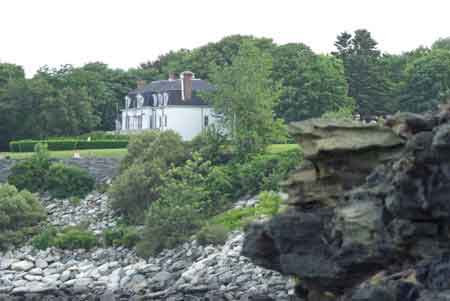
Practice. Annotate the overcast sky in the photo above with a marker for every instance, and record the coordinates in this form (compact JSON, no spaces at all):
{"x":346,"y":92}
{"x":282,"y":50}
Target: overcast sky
{"x":123,"y":33}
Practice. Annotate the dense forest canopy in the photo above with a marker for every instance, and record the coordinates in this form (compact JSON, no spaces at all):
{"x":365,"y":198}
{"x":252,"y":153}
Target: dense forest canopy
{"x":358,"y":74}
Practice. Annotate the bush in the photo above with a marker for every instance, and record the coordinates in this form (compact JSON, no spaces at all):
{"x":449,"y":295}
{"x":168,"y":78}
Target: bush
{"x":69,"y":238}
{"x":126,"y":236}
{"x":165,"y":146}
{"x":66,"y":180}
{"x":167,"y":225}
{"x":212,"y":145}
{"x":265,"y":172}
{"x":135,"y":189}
{"x":31,"y":174}
{"x":20,"y":212}
{"x":58,"y":145}
{"x":45,"y":239}
{"x":72,"y":238}
{"x":212,"y":235}
{"x":37,"y":174}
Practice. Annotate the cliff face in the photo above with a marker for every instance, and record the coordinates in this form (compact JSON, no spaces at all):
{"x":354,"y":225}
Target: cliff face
{"x":369,"y":212}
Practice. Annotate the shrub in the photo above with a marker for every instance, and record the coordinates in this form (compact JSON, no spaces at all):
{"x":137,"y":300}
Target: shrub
{"x":165,"y":146}
{"x":72,"y":238}
{"x":31,"y":174}
{"x":69,"y":238}
{"x":167,"y":225}
{"x":135,"y":189}
{"x":127,"y":236}
{"x":66,"y":180}
{"x":20,"y":212}
{"x":265,"y":172}
{"x":212,"y":234}
{"x":212,"y":145}
{"x":45,"y":239}
{"x":66,"y":144}
{"x":38,"y":174}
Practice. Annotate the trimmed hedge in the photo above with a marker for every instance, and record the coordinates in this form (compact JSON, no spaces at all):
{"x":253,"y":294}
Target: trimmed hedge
{"x":56,"y":145}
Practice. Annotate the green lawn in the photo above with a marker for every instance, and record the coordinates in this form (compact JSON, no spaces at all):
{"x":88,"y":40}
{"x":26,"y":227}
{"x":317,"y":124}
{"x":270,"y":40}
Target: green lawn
{"x":121,"y":152}
{"x":280,"y":148}
{"x":110,"y":153}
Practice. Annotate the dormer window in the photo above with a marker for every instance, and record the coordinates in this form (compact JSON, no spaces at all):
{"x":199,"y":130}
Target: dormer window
{"x":155,"y":100}
{"x":160,"y":99}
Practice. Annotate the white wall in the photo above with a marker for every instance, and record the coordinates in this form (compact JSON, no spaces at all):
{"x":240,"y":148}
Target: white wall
{"x":188,"y":121}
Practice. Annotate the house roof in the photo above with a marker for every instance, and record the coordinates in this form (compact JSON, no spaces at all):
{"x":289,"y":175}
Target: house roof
{"x":173,"y":85}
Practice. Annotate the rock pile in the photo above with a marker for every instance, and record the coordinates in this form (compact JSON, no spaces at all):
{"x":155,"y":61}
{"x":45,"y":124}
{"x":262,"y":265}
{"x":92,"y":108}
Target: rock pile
{"x":351,"y":234}
{"x":92,"y":211}
{"x":189,"y":272}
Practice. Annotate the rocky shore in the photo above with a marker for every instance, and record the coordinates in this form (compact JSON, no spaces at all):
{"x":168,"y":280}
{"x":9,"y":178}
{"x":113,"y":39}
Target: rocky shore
{"x":189,"y":272}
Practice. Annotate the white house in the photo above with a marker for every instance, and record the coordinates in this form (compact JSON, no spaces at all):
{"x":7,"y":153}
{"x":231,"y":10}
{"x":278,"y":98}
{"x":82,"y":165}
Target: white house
{"x":172,"y":104}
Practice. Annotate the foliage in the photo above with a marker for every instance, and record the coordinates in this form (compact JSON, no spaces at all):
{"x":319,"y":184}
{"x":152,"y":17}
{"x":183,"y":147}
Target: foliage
{"x":19,"y":213}
{"x":45,"y":238}
{"x":268,"y":205}
{"x":246,"y":96}
{"x":70,"y":238}
{"x":136,"y":188}
{"x":342,"y":113}
{"x":127,"y":236}
{"x":38,"y":174}
{"x":66,"y":144}
{"x":32,"y":173}
{"x":167,"y":225}
{"x":165,"y":146}
{"x":428,"y":82}
{"x":264,"y":172}
{"x":212,"y":145}
{"x":367,"y":79}
{"x":312,"y":84}
{"x":212,"y":234}
{"x":65,"y":181}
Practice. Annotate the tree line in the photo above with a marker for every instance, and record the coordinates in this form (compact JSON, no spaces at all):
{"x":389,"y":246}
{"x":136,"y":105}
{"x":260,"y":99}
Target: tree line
{"x":73,"y":100}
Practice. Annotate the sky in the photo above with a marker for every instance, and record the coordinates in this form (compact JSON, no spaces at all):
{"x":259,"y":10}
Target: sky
{"x":124,"y":34}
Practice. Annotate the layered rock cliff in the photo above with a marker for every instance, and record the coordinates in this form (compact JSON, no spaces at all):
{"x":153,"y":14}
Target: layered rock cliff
{"x":368,"y":212}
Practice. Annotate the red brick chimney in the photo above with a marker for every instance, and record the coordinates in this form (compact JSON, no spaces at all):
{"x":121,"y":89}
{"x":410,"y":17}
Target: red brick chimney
{"x":140,"y":84}
{"x":186,"y":85}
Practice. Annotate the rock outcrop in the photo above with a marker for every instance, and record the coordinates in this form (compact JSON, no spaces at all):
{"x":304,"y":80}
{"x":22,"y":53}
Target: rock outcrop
{"x":369,"y":212}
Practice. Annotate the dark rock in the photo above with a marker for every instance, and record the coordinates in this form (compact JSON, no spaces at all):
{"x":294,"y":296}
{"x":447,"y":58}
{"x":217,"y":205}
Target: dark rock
{"x":365,"y":202}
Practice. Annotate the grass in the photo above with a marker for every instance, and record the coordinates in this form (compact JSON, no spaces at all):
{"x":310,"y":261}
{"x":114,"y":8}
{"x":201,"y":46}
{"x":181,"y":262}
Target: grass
{"x":280,"y":148}
{"x":109,"y":153}
{"x":268,"y":205}
{"x":121,"y":152}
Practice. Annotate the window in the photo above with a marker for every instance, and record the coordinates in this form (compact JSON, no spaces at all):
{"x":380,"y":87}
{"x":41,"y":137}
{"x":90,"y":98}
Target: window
{"x":165,"y":120}
{"x":150,"y":122}
{"x":160,"y":121}
{"x":139,"y":122}
{"x":206,"y":121}
{"x":155,"y":100}
{"x":127,"y":122}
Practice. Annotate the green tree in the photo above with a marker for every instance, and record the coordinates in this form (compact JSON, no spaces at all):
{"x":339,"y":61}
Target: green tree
{"x":312,"y":84}
{"x":10,"y":72}
{"x":245,"y":95}
{"x":428,"y":82}
{"x":366,"y":77}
